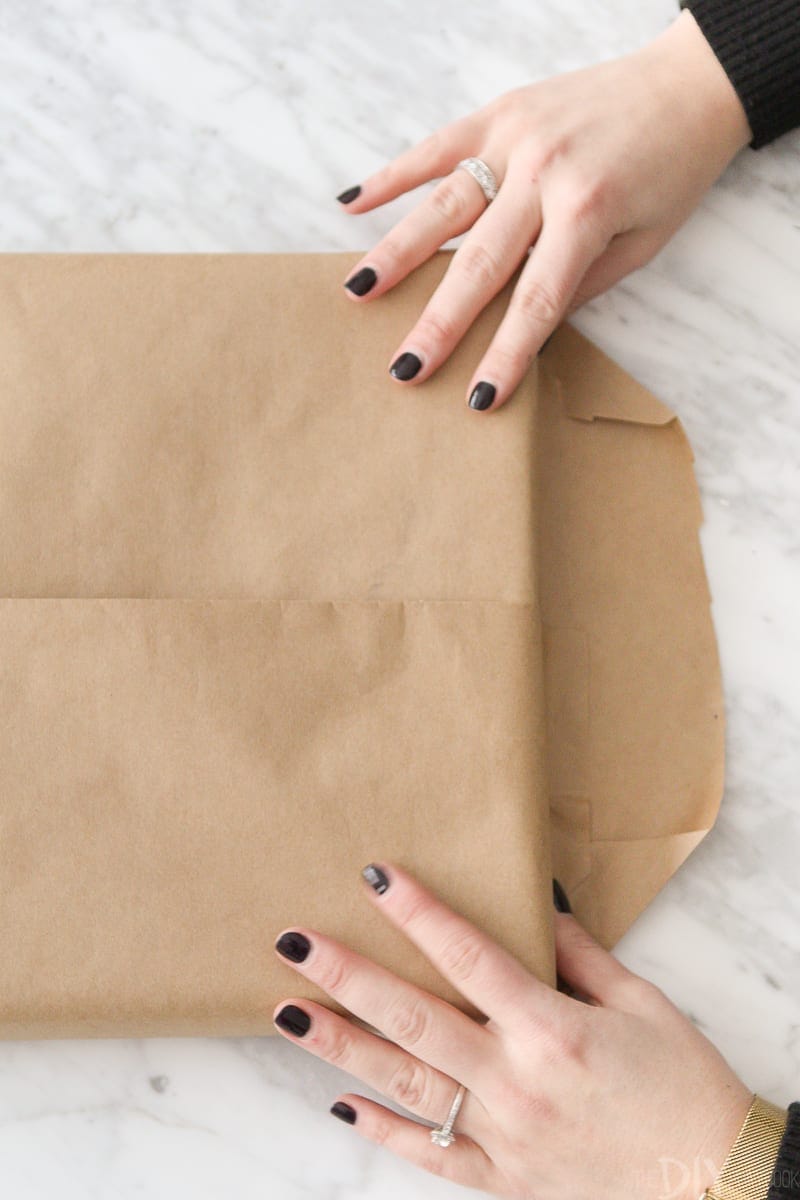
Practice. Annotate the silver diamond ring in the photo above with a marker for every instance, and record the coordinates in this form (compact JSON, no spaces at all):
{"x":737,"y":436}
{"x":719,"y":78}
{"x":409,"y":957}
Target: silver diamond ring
{"x":481,"y":171}
{"x":442,"y":1135}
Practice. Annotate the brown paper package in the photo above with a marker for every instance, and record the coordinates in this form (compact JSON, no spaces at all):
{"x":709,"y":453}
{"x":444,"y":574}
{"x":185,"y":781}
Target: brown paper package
{"x":268,"y":616}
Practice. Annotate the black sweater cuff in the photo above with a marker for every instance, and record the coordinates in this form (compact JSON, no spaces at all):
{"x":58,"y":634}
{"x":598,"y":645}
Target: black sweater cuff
{"x":758,"y":45}
{"x":785,"y":1184}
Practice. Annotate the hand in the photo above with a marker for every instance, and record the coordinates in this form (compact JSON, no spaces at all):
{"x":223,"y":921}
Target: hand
{"x":566,"y":1099}
{"x":596,"y":170}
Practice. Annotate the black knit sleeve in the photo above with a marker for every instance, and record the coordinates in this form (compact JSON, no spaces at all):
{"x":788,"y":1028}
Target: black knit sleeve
{"x":758,"y":44}
{"x":785,"y":1183}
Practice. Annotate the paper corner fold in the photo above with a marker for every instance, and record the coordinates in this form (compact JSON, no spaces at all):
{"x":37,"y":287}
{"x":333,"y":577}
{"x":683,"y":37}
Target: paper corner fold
{"x":595,"y":387}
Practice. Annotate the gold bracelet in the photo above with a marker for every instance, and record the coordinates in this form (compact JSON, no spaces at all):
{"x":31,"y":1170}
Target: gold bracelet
{"x":747,"y":1171}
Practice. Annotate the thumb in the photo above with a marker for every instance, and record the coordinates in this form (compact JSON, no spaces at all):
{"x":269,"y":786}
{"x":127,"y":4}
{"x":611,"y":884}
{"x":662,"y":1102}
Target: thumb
{"x":626,"y":253}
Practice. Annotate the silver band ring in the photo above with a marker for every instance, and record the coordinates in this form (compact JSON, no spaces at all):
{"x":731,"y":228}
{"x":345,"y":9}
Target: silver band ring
{"x":483,"y":173}
{"x":442,"y":1135}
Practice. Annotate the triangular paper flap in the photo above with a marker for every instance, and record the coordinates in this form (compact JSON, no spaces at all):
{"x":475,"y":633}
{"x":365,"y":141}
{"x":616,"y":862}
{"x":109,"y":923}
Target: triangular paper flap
{"x":593,"y":385}
{"x":625,"y":877}
{"x":634,"y":709}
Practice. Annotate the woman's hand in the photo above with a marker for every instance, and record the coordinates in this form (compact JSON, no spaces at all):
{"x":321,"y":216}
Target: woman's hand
{"x":597,"y":169}
{"x":617,"y":1096}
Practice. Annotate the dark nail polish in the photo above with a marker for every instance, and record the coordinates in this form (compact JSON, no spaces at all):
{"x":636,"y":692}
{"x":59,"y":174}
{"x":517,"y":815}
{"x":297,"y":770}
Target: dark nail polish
{"x":293,"y":1020}
{"x":349,"y":194}
{"x":362,"y":282}
{"x":482,"y":395}
{"x":560,"y":900}
{"x":345,"y":1112}
{"x":376,"y":878}
{"x":405,"y":367}
{"x":294,"y":946}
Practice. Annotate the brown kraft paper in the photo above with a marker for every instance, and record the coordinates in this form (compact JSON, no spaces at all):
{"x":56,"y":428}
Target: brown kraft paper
{"x":266,"y":616}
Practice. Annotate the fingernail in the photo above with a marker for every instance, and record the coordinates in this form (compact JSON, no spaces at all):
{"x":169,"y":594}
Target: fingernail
{"x":345,"y":1112}
{"x":294,"y":946}
{"x":363,"y":280}
{"x":293,"y":1020}
{"x":482,"y":395}
{"x":349,"y":194}
{"x":560,"y":900}
{"x":376,"y":878}
{"x":406,"y":366}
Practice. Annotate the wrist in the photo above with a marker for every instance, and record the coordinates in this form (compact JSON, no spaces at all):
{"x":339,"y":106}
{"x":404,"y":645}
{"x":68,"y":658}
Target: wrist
{"x":699,"y":90}
{"x":747,"y":1172}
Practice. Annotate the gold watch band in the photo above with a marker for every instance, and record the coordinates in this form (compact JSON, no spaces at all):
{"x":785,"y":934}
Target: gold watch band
{"x":747,"y":1171}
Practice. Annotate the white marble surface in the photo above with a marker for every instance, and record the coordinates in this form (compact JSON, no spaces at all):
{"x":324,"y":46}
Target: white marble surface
{"x":231,"y":125}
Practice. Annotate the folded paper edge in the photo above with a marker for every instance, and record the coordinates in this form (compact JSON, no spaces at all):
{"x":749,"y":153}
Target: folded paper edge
{"x":595,"y":386}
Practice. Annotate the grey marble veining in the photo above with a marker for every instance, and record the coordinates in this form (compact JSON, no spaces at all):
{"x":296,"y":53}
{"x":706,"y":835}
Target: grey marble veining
{"x":231,"y":125}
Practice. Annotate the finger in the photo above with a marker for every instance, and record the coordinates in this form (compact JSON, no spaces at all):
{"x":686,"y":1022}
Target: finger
{"x":462,"y":1162}
{"x":425,"y":1025}
{"x":591,"y":970}
{"x":493,"y":979}
{"x":541,"y":296}
{"x":453,"y":206}
{"x":625,"y":254}
{"x":399,"y":1076}
{"x":434,"y":156}
{"x":480,"y":268}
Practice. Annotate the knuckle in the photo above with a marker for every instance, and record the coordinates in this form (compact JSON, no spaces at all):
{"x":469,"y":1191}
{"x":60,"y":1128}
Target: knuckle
{"x":641,"y":992}
{"x":382,"y":1130}
{"x":332,"y":975}
{"x":512,"y":360}
{"x":563,"y":1045}
{"x":535,"y":1106}
{"x":418,"y":906}
{"x":434,"y":1162}
{"x":449,"y":200}
{"x":539,"y":301}
{"x":592,"y":204}
{"x":407,"y":1022}
{"x":461,"y":954}
{"x":409,"y":1084}
{"x":537,"y":1031}
{"x":432,"y":146}
{"x":544,"y":153}
{"x":479,"y":265}
{"x":390,"y":254}
{"x":508,"y":101}
{"x":435,"y":328}
{"x":513,"y":1098}
{"x":336,"y":1046}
